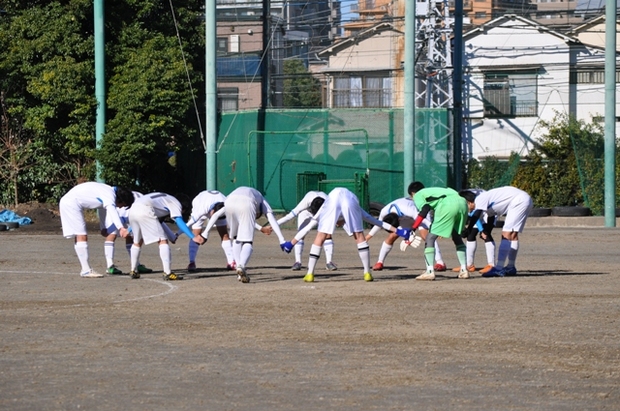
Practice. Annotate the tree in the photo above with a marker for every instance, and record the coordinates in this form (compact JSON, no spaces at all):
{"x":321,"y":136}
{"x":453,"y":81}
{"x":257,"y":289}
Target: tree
{"x":301,"y":90}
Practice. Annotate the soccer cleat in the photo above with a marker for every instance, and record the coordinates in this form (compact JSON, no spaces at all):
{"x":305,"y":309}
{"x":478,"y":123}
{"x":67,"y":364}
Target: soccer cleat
{"x":368,"y":277}
{"x":493,"y":272}
{"x":486,"y":269}
{"x":144,"y":270}
{"x":464,"y":274}
{"x":331,"y":266}
{"x":231,"y":267}
{"x":296,"y":266}
{"x":112,"y":270}
{"x":172,"y":277}
{"x":242,"y":275}
{"x":134,"y":275}
{"x":378,"y":266}
{"x":309,"y":278}
{"x":440,"y":267}
{"x":191,"y":267}
{"x":426,"y":276}
{"x":91,"y":274}
{"x":508,"y":272}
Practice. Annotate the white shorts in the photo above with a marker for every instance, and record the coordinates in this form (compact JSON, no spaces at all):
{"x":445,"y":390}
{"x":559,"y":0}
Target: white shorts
{"x":72,"y":218}
{"x":517,"y":213}
{"x":241,"y":217}
{"x":345,"y":206}
{"x":145,"y":225}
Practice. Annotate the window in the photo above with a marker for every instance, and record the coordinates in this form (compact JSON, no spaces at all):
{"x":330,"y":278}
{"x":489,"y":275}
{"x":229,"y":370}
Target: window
{"x":222,"y":45}
{"x":480,"y":15}
{"x":510,"y":94}
{"x":228,"y":99}
{"x":590,"y":76}
{"x":362,"y":91}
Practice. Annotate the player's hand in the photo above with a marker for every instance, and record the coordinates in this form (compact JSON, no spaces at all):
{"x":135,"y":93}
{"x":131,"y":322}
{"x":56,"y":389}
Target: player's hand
{"x":266,"y":230}
{"x":465,"y":233}
{"x":287,"y":246}
{"x":403,"y":232}
{"x":200,"y":240}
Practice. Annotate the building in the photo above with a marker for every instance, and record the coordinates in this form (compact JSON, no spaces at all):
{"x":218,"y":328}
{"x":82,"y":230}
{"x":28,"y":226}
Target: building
{"x":519,"y":72}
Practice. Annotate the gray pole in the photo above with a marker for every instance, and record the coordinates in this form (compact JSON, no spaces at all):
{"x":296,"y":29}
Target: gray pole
{"x":610,"y":113}
{"x":458,"y":94}
{"x":99,"y":77}
{"x":409,"y":101}
{"x":211,"y":92}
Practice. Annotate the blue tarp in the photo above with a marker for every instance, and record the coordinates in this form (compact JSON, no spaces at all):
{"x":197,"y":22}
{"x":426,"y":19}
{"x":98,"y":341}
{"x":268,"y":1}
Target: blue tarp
{"x":10,"y":216}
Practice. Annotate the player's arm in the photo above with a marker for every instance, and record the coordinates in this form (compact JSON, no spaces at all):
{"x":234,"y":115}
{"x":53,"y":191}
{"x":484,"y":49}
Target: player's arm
{"x":421,"y":216}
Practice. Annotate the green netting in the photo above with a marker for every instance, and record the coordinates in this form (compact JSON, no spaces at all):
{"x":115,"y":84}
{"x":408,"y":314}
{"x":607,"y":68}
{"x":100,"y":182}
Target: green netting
{"x":277,"y":150}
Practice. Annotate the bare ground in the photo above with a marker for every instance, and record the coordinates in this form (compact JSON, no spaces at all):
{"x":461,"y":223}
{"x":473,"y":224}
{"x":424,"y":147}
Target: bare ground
{"x":548,"y":339}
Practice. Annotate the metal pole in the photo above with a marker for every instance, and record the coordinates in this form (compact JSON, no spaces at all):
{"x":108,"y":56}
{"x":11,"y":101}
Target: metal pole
{"x":100,"y":93}
{"x":458,"y":94}
{"x":610,"y":113}
{"x":211,"y":93}
{"x":409,"y":100}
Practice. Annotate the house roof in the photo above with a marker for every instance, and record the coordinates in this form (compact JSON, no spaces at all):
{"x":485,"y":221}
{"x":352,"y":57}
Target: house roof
{"x":501,"y":21}
{"x":361,"y":36}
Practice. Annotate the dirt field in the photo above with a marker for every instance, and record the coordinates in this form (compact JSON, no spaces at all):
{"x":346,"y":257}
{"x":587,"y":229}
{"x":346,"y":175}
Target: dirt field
{"x":548,"y":339}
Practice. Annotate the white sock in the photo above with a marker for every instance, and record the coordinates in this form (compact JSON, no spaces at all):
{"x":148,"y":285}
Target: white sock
{"x":135,"y":256}
{"x":108,"y":251}
{"x":299,"y":250}
{"x":471,"y":252}
{"x":383,"y":253}
{"x":81,"y":249}
{"x":245,"y":254}
{"x":490,"y":249}
{"x":512,"y":254}
{"x":236,"y":248}
{"x":328,"y":246}
{"x":438,"y":256}
{"x":364,"y":251}
{"x":227,"y":247}
{"x":166,"y":257}
{"x":192,"y":251}
{"x":502,"y":254}
{"x":315,"y":253}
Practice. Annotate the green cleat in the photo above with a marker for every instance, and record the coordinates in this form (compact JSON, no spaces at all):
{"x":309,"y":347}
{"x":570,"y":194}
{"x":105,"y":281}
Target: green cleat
{"x":112,"y":270}
{"x":368,"y":277}
{"x":144,"y":270}
{"x":309,"y":278}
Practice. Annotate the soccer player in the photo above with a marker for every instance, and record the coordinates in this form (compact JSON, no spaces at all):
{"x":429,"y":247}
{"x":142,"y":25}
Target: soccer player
{"x":242,"y":208}
{"x":92,"y":196}
{"x":304,"y":211}
{"x":145,"y":220}
{"x":449,"y":217}
{"x":341,"y":208}
{"x":516,"y":204}
{"x":204,"y":205}
{"x":392,"y":214}
{"x":123,"y":212}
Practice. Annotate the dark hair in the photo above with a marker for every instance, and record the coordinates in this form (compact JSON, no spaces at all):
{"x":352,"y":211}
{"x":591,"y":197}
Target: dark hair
{"x":316,"y":204}
{"x":415,"y":187}
{"x":392,"y":219}
{"x":124,"y":196}
{"x":218,"y":206}
{"x":469,"y":196}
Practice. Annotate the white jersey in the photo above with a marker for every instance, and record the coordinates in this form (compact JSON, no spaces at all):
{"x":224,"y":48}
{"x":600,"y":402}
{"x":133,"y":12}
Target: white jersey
{"x":88,"y":196}
{"x":163,"y":204}
{"x":302,"y":207}
{"x":403,"y":207}
{"x":202,"y":205}
{"x":511,"y":201}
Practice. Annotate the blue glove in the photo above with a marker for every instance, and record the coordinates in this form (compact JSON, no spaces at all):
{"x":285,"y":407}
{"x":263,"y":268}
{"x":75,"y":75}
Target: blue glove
{"x":403,"y":232}
{"x":288,"y":246}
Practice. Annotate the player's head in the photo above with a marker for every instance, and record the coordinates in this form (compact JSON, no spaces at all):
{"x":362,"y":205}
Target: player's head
{"x":316,"y":204}
{"x":470,"y":197}
{"x":216,"y":207}
{"x":414,"y":188}
{"x":392,"y":219}
{"x":124,"y":197}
